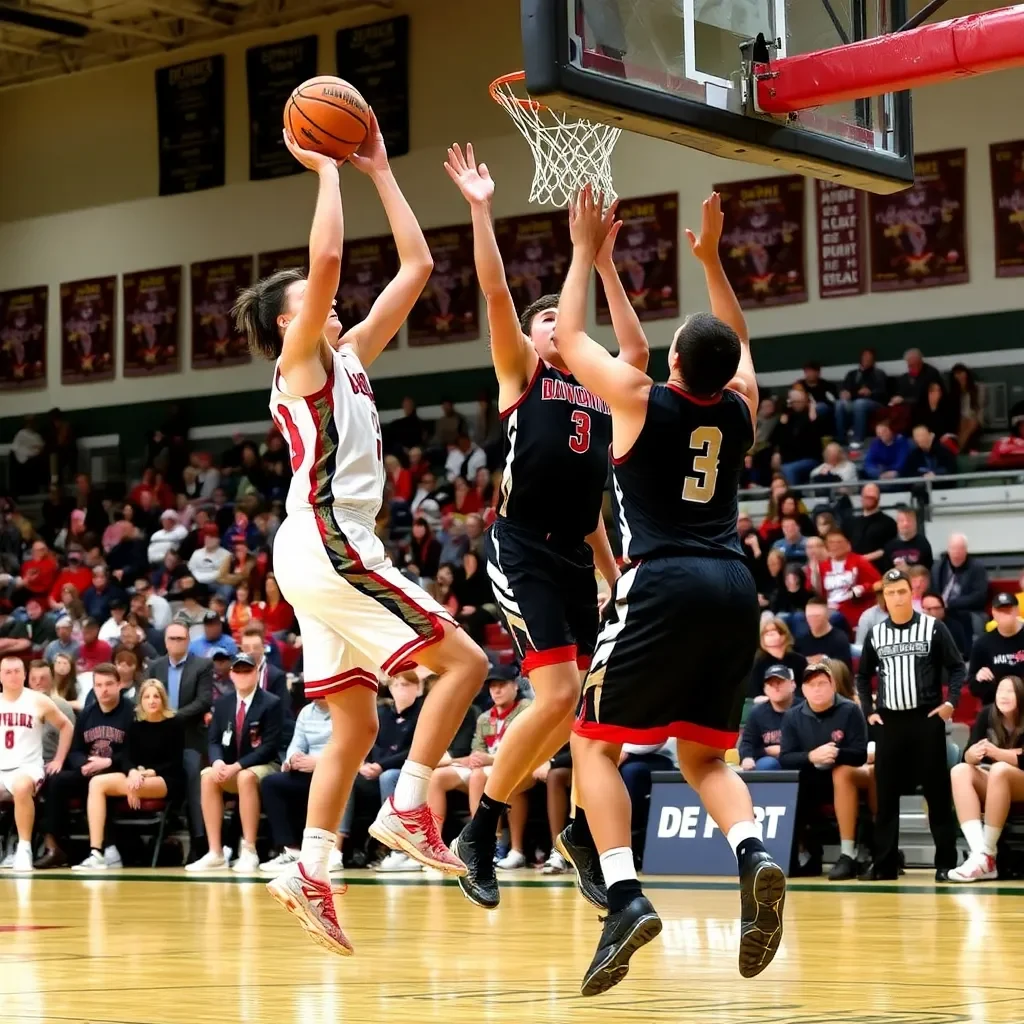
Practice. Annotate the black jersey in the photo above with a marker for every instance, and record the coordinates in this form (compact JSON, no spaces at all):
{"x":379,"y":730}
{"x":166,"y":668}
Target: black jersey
{"x":677,"y":486}
{"x":556,"y":441}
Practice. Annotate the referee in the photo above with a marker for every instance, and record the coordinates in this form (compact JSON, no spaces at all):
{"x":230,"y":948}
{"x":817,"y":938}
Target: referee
{"x":912,"y":654}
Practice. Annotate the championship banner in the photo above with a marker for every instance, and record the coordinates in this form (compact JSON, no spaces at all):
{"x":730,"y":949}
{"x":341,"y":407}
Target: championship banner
{"x":215,"y":286}
{"x":367,"y":265}
{"x":536,"y":251}
{"x":23,"y":338}
{"x":448,"y":308}
{"x":918,"y":237}
{"x":762,"y":243}
{"x":272,"y":73}
{"x":150,"y":301}
{"x":839,"y":212}
{"x":1007,"y":160}
{"x":646,"y":257}
{"x":190,"y":123}
{"x":283,"y":259}
{"x":87,"y":330}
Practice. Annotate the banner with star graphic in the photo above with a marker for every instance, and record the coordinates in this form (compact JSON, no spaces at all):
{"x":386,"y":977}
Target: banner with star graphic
{"x":23,"y":338}
{"x":87,"y":330}
{"x":215,"y":286}
{"x":150,"y":304}
{"x":1007,"y":159}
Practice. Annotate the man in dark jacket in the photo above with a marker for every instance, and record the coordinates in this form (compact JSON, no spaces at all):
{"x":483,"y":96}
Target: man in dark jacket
{"x":826,"y":740}
{"x":270,"y":678}
{"x":928,"y":457}
{"x":760,"y":744}
{"x":864,"y":390}
{"x":962,"y":582}
{"x":98,"y":598}
{"x":912,"y":386}
{"x":797,"y":436}
{"x":909,"y":546}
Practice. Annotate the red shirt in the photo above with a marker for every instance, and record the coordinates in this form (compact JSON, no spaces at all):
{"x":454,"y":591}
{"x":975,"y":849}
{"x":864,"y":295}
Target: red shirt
{"x":39,"y":576}
{"x":471,"y":503}
{"x":1007,"y":451}
{"x":401,"y":484}
{"x":80,"y":579}
{"x":839,"y":581}
{"x":275,"y":619}
{"x":91,"y":655}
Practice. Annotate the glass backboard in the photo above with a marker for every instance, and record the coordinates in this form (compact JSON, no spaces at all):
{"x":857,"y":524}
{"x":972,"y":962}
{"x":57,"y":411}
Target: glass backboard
{"x":675,"y":69}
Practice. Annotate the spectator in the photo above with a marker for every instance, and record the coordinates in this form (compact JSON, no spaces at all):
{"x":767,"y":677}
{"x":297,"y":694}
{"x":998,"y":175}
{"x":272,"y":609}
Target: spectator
{"x":149,"y":768}
{"x":75,"y":574}
{"x":134,"y":638}
{"x":191,"y":612}
{"x":244,"y":742}
{"x":55,"y":513}
{"x":165,"y":580}
{"x":65,"y":680}
{"x":467,"y":501}
{"x":826,"y":739}
{"x":158,"y":611}
{"x":936,"y":413}
{"x":798,"y":438}
{"x":760,"y":454}
{"x":98,"y":598}
{"x":213,"y":637}
{"x":93,"y":650}
{"x":821,"y":391}
{"x":129,"y":673}
{"x":448,"y":426}
{"x":995,"y":745}
{"x":276,"y":467}
{"x":933,"y":605}
{"x":206,"y":562}
{"x":997,"y":654}
{"x":96,"y":748}
{"x":1008,"y":452}
{"x":920,"y":580}
{"x":776,"y":649}
{"x":464,"y":458}
{"x":887,"y":454}
{"x":408,"y":431}
{"x":847,"y":579}
{"x":792,"y":544}
{"x":31,"y":635}
{"x":127,"y":558}
{"x":927,"y":458}
{"x":29,"y":467}
{"x":110,"y":631}
{"x":167,"y":538}
{"x":189,"y":684}
{"x":909,"y":546}
{"x":276,"y":614}
{"x":870,"y":618}
{"x":237,"y":571}
{"x":753,"y":553}
{"x":240,"y":612}
{"x":455,"y":544}
{"x":40,"y":679}
{"x":38,"y":573}
{"x":791,"y":598}
{"x":836,"y":467}
{"x":475,"y":597}
{"x":863,"y":391}
{"x":824,"y":522}
{"x":963,"y":583}
{"x":423,"y":501}
{"x":400,"y":478}
{"x":424,"y":554}
{"x":242,"y":529}
{"x":872,"y":529}
{"x":474,"y":527}
{"x":968,"y":402}
{"x":443,"y":584}
{"x":822,"y":641}
{"x":773,"y":577}
{"x":760,"y":742}
{"x":269,"y":677}
{"x":912,"y":387}
{"x":556,"y":776}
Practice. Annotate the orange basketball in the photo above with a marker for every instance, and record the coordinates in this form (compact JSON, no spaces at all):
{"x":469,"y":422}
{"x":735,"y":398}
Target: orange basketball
{"x":327,"y":115}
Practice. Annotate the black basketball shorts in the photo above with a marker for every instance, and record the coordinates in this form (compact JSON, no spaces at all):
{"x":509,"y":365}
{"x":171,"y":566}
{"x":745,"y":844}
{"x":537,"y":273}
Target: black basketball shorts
{"x":673,"y":654}
{"x":546,"y":591}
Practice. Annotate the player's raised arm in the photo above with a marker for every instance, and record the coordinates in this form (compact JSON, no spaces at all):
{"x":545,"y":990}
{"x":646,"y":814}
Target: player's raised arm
{"x":513,"y":356}
{"x":633,"y":346}
{"x":724,"y":303}
{"x":394,"y":304}
{"x":621,"y":385}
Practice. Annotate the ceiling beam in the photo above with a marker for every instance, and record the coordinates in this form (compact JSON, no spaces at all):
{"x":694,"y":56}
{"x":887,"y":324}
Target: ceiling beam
{"x":114,"y":27}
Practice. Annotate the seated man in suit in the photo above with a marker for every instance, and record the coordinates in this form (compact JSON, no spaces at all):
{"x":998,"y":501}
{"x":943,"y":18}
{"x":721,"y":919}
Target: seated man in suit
{"x":270,"y":678}
{"x":244,"y":745}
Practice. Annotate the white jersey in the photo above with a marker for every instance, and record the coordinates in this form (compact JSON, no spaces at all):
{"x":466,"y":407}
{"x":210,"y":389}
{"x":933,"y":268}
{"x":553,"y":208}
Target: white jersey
{"x":21,"y":732}
{"x":334,"y":439}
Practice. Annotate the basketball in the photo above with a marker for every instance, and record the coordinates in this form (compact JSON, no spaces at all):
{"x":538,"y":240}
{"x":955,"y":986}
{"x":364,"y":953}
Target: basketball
{"x":328,"y":116}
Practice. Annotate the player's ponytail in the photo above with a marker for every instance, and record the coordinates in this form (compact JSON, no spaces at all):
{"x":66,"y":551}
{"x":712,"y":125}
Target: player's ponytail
{"x":257,"y":308}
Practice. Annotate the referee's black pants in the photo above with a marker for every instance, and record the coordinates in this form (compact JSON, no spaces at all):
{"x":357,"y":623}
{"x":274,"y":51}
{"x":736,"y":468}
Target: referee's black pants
{"x":910,"y":748}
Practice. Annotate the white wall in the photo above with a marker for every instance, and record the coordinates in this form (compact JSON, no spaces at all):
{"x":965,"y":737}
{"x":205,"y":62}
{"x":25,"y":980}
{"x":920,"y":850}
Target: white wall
{"x":77,"y":192}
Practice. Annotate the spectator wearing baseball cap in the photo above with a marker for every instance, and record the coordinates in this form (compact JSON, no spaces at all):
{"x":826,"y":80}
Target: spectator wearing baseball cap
{"x":206,"y":562}
{"x":213,"y":637}
{"x":761,"y":742}
{"x":167,"y":538}
{"x":64,"y":644}
{"x":998,"y":653}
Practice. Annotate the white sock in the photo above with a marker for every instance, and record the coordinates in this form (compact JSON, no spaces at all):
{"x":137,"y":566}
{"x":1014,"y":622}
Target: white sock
{"x":617,"y":865}
{"x":24,"y":844}
{"x":848,"y":848}
{"x":992,"y":835}
{"x":317,"y":844}
{"x":411,"y":791}
{"x":974,"y":834}
{"x":742,"y":831}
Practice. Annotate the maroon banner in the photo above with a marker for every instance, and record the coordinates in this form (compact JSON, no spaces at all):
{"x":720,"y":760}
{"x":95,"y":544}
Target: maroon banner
{"x":367,"y":265}
{"x":647,"y":257}
{"x":87,"y":330}
{"x":918,"y":237}
{"x":448,"y":309}
{"x":282,"y":259}
{"x":762,"y":244}
{"x":536,"y":251}
{"x":1007,"y":160}
{"x":23,"y":338}
{"x":840,"y":217}
{"x":215,"y":286}
{"x":151,"y":301}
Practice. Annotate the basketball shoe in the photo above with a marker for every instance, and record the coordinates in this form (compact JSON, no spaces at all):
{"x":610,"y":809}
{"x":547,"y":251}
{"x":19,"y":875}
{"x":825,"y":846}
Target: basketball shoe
{"x":623,"y":934}
{"x":416,"y":833}
{"x":312,"y":902}
{"x":585,"y":862}
{"x":762,"y":897}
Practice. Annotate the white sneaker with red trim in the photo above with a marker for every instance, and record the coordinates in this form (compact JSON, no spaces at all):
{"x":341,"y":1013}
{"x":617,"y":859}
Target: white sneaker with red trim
{"x":312,"y":902}
{"x":415,"y":833}
{"x":979,"y":867}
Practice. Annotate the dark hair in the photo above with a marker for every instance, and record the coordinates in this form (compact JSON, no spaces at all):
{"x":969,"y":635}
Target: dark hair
{"x":935,"y":596}
{"x":895,"y":576}
{"x":907,"y":510}
{"x":541,"y":305}
{"x":813,"y":365}
{"x":792,"y":519}
{"x":40,"y":663}
{"x":836,"y":532}
{"x":817,"y":601}
{"x":90,"y":621}
{"x":1001,"y":735}
{"x":257,"y":308}
{"x":709,"y":351}
{"x":105,"y":668}
{"x":254,"y":629}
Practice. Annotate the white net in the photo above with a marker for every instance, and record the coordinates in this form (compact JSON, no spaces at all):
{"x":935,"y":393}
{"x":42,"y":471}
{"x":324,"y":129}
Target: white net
{"x":567,"y":153}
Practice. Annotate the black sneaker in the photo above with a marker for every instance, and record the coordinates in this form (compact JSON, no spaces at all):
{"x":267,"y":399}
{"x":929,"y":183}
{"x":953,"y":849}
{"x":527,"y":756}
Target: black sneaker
{"x":479,"y":884}
{"x":844,"y":869}
{"x":876,"y":873}
{"x":622,"y":935}
{"x":587,"y":865}
{"x":942,"y":874}
{"x":762,"y":897}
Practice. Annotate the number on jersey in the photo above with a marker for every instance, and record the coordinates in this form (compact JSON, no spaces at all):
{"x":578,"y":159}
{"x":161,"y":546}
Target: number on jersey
{"x":701,"y":488}
{"x":579,"y":442}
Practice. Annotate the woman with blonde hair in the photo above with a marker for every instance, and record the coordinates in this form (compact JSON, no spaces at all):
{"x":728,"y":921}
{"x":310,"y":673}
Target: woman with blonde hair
{"x":776,"y":649}
{"x":152,"y":769}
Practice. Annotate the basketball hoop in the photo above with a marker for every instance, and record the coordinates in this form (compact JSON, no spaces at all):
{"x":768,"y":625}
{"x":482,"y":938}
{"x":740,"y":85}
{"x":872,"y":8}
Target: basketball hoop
{"x":567,"y":153}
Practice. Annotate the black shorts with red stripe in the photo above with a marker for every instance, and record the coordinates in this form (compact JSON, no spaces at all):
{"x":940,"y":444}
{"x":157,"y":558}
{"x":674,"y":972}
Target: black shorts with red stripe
{"x":673,"y":655}
{"x":546,"y":591}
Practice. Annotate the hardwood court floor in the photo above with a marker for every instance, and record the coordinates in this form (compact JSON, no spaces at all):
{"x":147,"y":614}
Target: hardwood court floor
{"x":155,"y":948}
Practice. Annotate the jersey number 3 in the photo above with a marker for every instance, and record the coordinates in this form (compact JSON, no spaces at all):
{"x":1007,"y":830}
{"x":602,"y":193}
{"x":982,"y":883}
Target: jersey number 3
{"x":701,"y":488}
{"x":579,"y":442}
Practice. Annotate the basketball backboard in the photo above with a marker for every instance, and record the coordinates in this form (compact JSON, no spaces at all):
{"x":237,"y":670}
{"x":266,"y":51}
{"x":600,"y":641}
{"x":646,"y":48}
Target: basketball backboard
{"x":674,"y":69}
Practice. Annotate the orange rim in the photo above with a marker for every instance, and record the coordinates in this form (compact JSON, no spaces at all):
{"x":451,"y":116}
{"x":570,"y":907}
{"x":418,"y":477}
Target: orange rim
{"x":512,"y":76}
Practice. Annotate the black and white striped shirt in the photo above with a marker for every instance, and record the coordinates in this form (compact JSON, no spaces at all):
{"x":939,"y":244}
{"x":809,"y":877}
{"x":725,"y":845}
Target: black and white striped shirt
{"x":912,"y":660}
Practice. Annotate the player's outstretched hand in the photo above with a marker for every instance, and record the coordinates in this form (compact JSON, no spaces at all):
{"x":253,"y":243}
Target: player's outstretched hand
{"x":310,"y":160}
{"x":474,"y":182}
{"x":589,"y":223}
{"x":372,"y":156}
{"x":705,"y":246}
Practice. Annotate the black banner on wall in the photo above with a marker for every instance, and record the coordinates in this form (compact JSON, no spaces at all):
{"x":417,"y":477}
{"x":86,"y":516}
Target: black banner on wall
{"x":190,"y":119}
{"x":375,"y":59}
{"x":272,"y":73}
